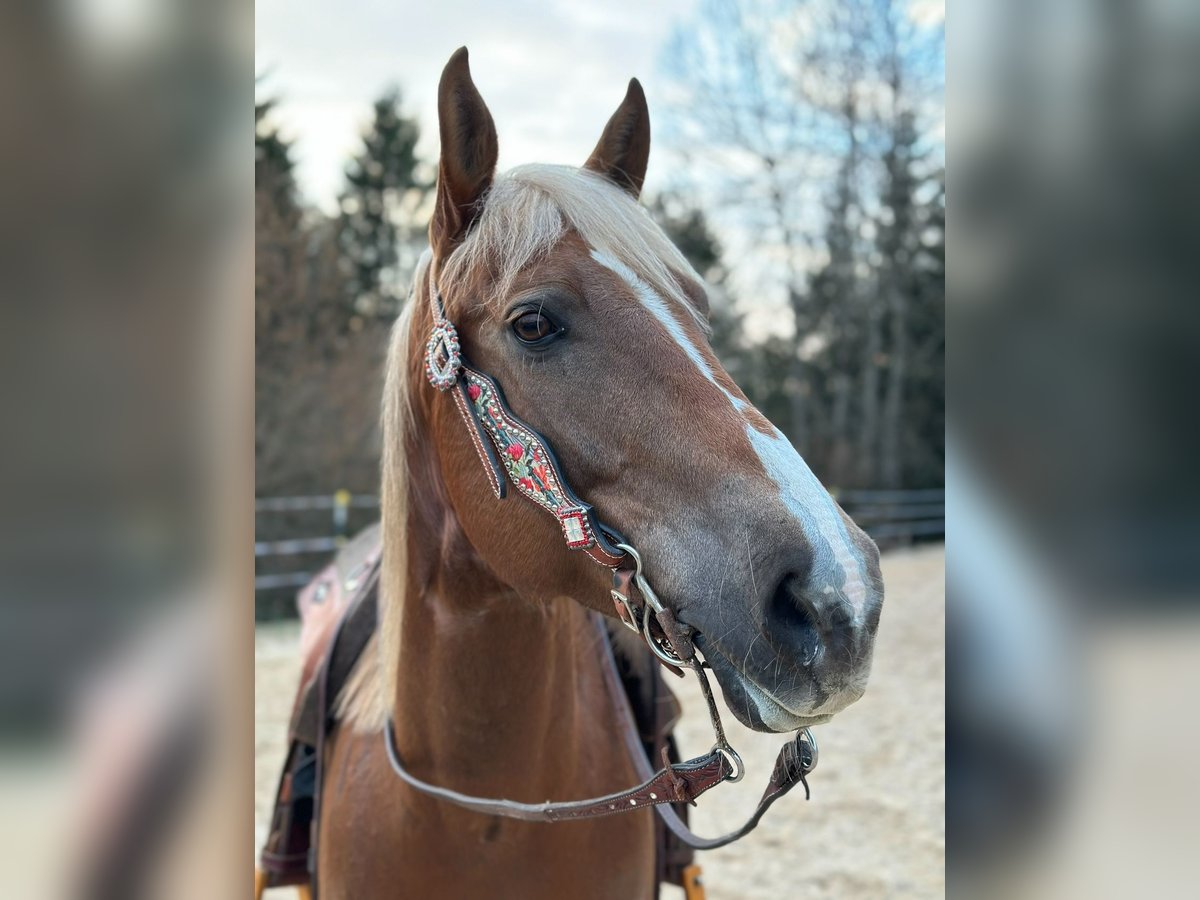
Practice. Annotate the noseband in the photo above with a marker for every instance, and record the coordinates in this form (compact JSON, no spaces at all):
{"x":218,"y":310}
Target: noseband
{"x":512,"y":452}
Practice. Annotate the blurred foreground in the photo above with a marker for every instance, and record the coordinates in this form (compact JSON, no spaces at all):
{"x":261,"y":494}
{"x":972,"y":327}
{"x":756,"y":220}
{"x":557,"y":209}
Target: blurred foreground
{"x":126,"y":348}
{"x":1074,"y":502}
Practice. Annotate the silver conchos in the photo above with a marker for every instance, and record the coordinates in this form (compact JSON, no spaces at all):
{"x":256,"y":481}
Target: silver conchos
{"x":442,"y":357}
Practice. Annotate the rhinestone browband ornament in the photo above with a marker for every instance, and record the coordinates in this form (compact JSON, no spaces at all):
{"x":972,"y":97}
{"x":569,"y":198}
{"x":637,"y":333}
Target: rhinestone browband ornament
{"x":442,"y":356}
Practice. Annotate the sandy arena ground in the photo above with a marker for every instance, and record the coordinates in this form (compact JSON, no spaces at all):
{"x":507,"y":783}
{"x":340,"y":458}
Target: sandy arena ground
{"x":875,"y":827}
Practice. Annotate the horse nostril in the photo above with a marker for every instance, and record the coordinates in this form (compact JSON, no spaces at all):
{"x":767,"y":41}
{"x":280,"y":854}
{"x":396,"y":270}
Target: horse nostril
{"x":792,"y":619}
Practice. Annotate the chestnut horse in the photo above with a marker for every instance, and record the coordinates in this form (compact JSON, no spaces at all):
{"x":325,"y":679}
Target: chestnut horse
{"x":566,"y":293}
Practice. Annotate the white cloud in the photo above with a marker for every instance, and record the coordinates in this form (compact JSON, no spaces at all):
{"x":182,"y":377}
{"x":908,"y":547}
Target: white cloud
{"x":551,"y":72}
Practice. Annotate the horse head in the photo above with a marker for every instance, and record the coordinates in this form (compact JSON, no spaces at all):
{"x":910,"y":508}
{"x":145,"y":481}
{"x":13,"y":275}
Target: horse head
{"x":567,"y":294}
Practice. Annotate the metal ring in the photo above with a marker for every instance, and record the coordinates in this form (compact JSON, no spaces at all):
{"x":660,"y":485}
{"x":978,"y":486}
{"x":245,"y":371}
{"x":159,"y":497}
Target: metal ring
{"x":735,"y":761}
{"x":652,"y":603}
{"x":637,"y":559}
{"x":806,"y":737}
{"x":669,"y":658}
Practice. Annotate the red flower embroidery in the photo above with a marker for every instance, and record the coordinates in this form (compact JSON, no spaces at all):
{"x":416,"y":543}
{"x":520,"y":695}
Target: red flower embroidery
{"x":528,"y":484}
{"x":473,"y":391}
{"x":540,"y":472}
{"x":516,"y":451}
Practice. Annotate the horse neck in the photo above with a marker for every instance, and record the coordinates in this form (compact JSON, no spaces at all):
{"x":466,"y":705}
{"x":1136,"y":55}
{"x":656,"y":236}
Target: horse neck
{"x":495,"y":694}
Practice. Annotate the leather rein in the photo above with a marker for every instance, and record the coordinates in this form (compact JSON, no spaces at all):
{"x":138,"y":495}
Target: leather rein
{"x":512,"y":452}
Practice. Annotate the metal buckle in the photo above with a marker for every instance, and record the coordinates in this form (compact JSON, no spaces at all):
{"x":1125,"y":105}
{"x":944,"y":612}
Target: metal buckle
{"x":625,"y":611}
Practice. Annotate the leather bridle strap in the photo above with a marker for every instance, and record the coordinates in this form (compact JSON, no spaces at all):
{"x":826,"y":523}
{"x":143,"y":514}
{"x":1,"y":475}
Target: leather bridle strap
{"x":795,"y":760}
{"x":678,"y":783}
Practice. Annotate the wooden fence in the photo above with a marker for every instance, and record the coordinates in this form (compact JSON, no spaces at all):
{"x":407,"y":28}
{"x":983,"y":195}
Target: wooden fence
{"x":899,"y":516}
{"x":891,"y":517}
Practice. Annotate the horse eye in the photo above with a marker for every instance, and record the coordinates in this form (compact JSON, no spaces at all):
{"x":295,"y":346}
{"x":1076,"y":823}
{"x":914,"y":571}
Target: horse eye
{"x":533,"y":326}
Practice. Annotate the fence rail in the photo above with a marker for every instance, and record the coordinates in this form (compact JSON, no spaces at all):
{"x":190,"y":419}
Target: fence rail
{"x":896,"y":516}
{"x":889,"y":516}
{"x":332,"y":501}
{"x":318,"y":548}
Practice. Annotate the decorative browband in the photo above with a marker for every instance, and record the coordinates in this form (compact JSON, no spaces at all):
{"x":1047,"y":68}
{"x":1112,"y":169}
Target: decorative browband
{"x":522,"y":453}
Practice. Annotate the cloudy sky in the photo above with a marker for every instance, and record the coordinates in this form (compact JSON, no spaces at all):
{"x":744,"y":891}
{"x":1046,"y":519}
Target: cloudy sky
{"x":552,"y":71}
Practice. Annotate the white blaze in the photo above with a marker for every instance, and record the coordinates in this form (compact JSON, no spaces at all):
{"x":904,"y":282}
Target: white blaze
{"x":658,"y":308}
{"x":835,"y":564}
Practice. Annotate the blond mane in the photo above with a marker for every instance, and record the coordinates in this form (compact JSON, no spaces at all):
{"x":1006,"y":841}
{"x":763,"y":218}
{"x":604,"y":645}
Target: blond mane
{"x":528,"y":210}
{"x":526,"y":213}
{"x":365,"y":701}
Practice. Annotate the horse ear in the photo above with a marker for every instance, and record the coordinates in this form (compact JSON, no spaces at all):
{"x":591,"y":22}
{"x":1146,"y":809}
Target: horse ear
{"x":468,"y":160}
{"x":624,"y":148}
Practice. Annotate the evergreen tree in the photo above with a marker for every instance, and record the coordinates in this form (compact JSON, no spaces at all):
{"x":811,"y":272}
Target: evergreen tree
{"x":687,"y":227}
{"x":383,"y":189}
{"x":273,"y":166}
{"x":840,"y":385}
{"x":925,"y":439}
{"x":898,"y":240}
{"x":279,"y":245}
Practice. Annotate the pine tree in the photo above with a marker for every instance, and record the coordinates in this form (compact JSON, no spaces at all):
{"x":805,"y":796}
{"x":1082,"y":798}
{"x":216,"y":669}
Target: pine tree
{"x":316,"y":375}
{"x":279,"y":243}
{"x":383,"y":188}
{"x":925,"y":399}
{"x":273,"y":166}
{"x":898,"y":241}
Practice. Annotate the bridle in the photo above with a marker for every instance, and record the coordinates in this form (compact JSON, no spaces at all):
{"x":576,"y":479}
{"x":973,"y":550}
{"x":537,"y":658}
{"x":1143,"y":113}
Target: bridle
{"x":512,"y":452}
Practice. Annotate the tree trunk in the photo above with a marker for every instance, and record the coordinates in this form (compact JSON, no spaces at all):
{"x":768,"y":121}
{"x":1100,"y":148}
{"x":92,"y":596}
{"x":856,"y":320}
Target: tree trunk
{"x":892,"y":446}
{"x":841,"y":453}
{"x":868,"y":435}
